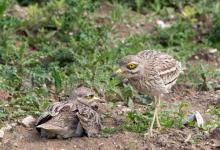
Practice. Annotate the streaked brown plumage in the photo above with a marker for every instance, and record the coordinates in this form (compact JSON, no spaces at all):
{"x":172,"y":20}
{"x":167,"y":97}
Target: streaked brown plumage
{"x":72,"y":117}
{"x":152,"y":73}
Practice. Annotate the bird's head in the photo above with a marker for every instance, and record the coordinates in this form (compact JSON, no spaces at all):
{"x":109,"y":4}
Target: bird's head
{"x":129,"y":67}
{"x":87,"y":96}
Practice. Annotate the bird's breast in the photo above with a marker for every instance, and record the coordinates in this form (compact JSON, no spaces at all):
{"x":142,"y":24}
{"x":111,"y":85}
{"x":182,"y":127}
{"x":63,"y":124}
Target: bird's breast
{"x":145,"y":86}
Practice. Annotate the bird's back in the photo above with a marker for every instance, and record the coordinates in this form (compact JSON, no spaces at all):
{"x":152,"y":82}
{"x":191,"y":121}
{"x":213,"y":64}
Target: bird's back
{"x":68,"y":119}
{"x":60,"y":120}
{"x":167,"y":67}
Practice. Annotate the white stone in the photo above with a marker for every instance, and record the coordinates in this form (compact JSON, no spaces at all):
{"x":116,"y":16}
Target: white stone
{"x":213,"y":50}
{"x":13,"y":124}
{"x":162,"y":24}
{"x":1,"y":134}
{"x":29,"y":121}
{"x":8,"y":127}
{"x":125,"y":110}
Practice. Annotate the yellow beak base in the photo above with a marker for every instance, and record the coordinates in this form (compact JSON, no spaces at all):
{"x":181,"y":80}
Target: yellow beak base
{"x":96,"y":98}
{"x":119,"y":71}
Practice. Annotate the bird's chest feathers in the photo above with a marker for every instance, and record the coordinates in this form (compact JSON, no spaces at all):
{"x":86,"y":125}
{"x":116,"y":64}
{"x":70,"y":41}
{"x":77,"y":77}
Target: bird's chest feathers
{"x":136,"y":83}
{"x":141,"y":84}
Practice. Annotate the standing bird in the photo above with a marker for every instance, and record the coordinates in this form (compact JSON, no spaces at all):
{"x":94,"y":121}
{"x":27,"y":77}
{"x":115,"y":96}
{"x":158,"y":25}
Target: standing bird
{"x":152,"y":73}
{"x":71,"y":118}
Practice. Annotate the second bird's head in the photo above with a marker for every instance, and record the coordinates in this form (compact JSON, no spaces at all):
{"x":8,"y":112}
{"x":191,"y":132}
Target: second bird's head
{"x":86,"y":96}
{"x":129,"y":67}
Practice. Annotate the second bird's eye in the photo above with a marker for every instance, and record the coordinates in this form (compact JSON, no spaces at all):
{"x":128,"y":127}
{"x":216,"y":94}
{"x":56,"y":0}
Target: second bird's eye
{"x":90,"y":96}
{"x":131,"y":66}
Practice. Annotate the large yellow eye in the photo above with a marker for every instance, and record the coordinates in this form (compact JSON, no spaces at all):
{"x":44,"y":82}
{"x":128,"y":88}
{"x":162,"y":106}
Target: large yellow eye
{"x":131,"y":66}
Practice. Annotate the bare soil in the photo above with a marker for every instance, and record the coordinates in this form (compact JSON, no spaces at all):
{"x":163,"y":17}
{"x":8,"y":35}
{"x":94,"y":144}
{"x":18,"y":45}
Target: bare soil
{"x":167,"y":139}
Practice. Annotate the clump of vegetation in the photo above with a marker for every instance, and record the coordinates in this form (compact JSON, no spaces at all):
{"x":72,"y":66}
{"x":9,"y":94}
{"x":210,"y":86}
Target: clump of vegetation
{"x":214,"y":120}
{"x":169,"y":118}
{"x":201,"y":77}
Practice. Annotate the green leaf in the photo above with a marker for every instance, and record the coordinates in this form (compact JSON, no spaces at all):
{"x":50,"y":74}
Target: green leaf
{"x":57,"y":80}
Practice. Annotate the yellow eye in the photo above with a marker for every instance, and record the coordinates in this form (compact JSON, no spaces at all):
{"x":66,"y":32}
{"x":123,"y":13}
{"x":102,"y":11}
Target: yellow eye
{"x":131,"y":66}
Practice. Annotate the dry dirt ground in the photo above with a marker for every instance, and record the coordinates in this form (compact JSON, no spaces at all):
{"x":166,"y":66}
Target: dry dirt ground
{"x":167,"y":139}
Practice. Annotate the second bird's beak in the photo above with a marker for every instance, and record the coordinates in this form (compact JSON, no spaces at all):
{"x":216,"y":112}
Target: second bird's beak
{"x":96,"y":98}
{"x":119,"y":71}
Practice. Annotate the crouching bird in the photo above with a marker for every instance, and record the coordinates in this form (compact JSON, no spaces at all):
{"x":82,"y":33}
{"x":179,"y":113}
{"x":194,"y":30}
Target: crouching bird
{"x":71,"y":118}
{"x":152,"y":73}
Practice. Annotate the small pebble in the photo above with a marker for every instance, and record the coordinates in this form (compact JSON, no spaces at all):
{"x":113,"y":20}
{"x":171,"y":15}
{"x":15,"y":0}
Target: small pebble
{"x":14,"y":124}
{"x":16,"y":144}
{"x":125,"y":110}
{"x":162,"y":24}
{"x":29,"y":121}
{"x":100,"y":145}
{"x":1,"y":134}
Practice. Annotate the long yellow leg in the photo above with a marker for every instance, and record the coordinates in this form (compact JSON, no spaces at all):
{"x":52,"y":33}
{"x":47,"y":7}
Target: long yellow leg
{"x":150,"y":132}
{"x":155,"y":116}
{"x":158,"y":109}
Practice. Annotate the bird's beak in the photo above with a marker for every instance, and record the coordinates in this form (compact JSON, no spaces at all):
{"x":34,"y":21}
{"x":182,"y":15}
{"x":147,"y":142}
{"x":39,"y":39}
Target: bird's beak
{"x":119,"y":71}
{"x":96,"y":98}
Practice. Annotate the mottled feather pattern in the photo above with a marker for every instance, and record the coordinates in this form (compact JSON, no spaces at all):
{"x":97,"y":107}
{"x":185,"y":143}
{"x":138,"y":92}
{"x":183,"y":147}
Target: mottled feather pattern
{"x":155,"y":72}
{"x":57,"y":107}
{"x":152,"y":73}
{"x":70,"y":118}
{"x":150,"y":83}
{"x":51,"y":111}
{"x":90,"y":121}
{"x":166,"y":66}
{"x":62,"y":119}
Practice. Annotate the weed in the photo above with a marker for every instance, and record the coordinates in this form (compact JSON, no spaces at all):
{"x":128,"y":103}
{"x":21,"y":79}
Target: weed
{"x":139,"y":122}
{"x":109,"y":130}
{"x":117,"y":12}
{"x":201,"y":75}
{"x":214,"y":120}
{"x":136,"y":122}
{"x":195,"y":138}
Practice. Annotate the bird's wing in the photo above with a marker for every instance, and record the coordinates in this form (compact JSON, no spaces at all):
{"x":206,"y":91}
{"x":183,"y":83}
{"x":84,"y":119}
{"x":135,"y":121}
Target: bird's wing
{"x":90,"y":121}
{"x":51,"y":111}
{"x":166,"y":66}
{"x":65,"y":123}
{"x":153,"y":81}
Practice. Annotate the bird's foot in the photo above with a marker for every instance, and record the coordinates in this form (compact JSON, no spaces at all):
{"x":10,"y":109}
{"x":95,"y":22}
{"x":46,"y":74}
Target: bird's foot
{"x":151,"y":133}
{"x":158,"y":127}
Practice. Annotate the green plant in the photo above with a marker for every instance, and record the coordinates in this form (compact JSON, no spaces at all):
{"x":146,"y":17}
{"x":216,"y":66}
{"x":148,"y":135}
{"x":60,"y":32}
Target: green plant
{"x":118,"y":12}
{"x":109,"y":130}
{"x":139,"y":122}
{"x":201,"y":76}
{"x":214,"y":118}
{"x":214,"y":34}
{"x":4,"y":5}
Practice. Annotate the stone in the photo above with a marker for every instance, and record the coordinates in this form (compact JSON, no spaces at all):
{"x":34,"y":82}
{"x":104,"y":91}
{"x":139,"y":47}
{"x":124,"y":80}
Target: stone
{"x":8,"y":127}
{"x":28,"y":121}
{"x":1,"y":134}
